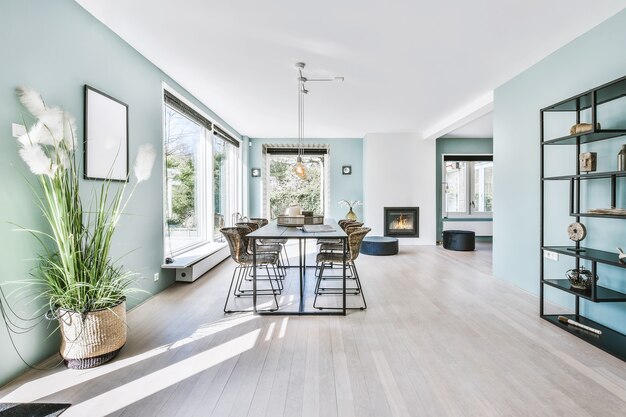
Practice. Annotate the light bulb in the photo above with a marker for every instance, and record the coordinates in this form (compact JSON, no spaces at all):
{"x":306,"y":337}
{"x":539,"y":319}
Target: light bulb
{"x":299,"y":169}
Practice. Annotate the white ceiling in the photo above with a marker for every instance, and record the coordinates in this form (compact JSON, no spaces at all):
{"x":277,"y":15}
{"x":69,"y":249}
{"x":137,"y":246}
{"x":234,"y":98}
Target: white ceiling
{"x":481,"y":127}
{"x":408,"y":64}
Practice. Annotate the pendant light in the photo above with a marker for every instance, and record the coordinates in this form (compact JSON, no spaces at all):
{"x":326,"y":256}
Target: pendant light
{"x":299,"y":168}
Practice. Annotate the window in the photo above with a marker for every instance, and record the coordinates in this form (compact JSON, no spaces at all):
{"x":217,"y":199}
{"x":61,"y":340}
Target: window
{"x":225,"y":164}
{"x":201,"y":181}
{"x":468,"y":185}
{"x":283,"y":188}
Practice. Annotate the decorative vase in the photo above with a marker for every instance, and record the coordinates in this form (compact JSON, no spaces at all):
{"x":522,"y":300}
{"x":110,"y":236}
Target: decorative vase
{"x":351,"y":215}
{"x":621,"y":159}
{"x":93,"y":338}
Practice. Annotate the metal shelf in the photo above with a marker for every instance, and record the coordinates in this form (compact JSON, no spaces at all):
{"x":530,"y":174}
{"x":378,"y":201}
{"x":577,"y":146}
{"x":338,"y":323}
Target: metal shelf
{"x":609,"y":341}
{"x":584,"y":108}
{"x":603,"y":294}
{"x":595,"y":255}
{"x":589,"y":176}
{"x":586,"y":137}
{"x":606,"y":216}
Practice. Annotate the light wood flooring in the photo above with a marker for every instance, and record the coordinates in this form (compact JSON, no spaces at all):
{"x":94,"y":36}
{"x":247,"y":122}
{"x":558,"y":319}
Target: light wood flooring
{"x":441,"y":337}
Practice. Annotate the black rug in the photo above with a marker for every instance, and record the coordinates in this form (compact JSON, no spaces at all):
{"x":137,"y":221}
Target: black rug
{"x":32,"y":409}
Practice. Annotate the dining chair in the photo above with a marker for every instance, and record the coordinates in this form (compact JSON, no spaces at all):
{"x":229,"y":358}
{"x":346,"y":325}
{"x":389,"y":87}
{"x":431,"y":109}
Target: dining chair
{"x":261,"y":221}
{"x":238,"y":244}
{"x":355,"y":237}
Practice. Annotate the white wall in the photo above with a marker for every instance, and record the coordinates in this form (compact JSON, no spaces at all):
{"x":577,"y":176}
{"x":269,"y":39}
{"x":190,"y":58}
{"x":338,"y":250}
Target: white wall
{"x":399,"y":170}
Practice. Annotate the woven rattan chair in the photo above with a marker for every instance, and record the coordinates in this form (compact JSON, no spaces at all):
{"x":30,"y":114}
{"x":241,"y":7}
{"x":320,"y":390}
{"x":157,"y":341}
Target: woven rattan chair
{"x":238,"y":244}
{"x":282,"y":242}
{"x":355,"y":237}
{"x":335,"y":244}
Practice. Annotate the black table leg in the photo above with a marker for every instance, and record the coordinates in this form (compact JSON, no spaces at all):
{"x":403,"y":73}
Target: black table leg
{"x":344,"y":275}
{"x":301,"y":270}
{"x":254,"y":275}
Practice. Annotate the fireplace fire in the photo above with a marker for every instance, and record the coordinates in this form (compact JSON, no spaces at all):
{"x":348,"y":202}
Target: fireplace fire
{"x":402,"y":221}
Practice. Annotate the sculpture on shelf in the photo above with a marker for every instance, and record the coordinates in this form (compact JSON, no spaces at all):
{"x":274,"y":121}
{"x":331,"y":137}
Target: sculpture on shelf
{"x":588,"y":161}
{"x":580,"y":278}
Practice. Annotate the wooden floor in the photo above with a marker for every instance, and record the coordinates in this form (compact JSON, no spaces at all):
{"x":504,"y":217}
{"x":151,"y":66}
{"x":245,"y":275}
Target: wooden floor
{"x":441,"y":337}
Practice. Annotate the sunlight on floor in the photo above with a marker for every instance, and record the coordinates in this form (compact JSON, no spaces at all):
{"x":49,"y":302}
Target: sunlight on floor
{"x":59,"y":381}
{"x":145,"y":386}
{"x":270,"y":332}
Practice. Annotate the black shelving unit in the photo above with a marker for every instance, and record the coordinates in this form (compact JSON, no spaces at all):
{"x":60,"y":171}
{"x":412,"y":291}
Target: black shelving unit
{"x":586,"y":104}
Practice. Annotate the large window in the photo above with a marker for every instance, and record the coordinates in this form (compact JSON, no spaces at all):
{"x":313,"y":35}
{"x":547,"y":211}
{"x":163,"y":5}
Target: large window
{"x":283,"y":188}
{"x":468,"y":186}
{"x":225,"y":169}
{"x":201,"y":181}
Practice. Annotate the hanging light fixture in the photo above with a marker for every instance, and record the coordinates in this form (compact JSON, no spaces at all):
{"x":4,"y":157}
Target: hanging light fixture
{"x":299,"y":169}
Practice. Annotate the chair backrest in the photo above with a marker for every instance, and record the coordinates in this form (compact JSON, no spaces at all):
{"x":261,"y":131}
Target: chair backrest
{"x":343,"y":222}
{"x":354,"y":241}
{"x":252,"y":225}
{"x":353,"y":226}
{"x":260,"y":220}
{"x":237,"y":242}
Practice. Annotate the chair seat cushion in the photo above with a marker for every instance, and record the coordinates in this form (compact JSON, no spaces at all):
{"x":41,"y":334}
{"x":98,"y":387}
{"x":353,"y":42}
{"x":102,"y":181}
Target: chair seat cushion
{"x":272,"y":241}
{"x":261,"y":259}
{"x":268,"y":248}
{"x":328,"y":241}
{"x":330,"y":257}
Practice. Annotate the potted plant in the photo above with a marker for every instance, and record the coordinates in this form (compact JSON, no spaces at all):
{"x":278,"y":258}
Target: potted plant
{"x":83,"y":287}
{"x":350,"y":215}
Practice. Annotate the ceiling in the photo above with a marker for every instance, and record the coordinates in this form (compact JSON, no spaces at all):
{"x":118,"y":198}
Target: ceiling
{"x":482,"y":127}
{"x":408,"y":64}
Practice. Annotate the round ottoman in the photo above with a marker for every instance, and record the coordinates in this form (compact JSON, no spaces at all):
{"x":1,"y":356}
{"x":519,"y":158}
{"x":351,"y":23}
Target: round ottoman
{"x":379,"y":246}
{"x":459,"y":240}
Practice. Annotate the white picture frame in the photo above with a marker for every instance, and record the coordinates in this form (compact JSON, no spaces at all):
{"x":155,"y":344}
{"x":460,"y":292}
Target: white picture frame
{"x":106,"y":137}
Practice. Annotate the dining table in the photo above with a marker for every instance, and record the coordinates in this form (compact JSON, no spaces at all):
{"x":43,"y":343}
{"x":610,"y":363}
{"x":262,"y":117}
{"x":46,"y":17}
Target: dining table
{"x":275,"y":231}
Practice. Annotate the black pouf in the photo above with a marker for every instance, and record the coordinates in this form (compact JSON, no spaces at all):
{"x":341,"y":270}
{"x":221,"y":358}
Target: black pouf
{"x":379,"y":246}
{"x":459,"y":240}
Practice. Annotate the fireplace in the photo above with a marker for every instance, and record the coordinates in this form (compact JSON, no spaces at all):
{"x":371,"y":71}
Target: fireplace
{"x":402,"y":221}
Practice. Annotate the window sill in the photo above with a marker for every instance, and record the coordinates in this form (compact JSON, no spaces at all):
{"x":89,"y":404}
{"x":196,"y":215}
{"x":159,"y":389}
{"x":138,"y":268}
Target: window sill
{"x":467,"y":219}
{"x":186,"y":259}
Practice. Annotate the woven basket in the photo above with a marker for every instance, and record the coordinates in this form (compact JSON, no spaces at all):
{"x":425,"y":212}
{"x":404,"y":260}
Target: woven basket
{"x":91,"y":339}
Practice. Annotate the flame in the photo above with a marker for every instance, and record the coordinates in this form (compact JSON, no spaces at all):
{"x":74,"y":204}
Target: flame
{"x":402,"y":223}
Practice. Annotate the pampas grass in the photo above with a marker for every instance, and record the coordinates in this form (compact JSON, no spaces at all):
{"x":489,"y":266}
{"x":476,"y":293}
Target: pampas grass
{"x":32,"y":100}
{"x":144,"y":162}
{"x":37,"y":160}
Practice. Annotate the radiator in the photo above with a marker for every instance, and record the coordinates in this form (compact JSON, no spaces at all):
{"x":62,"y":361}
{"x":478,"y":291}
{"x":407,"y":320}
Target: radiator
{"x":199,"y":268}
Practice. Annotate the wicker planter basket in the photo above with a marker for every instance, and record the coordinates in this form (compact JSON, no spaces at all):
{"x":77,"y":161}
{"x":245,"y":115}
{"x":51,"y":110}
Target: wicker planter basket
{"x":91,"y":339}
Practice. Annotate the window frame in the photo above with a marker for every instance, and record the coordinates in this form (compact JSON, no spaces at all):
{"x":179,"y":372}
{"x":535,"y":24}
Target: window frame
{"x":320,"y":150}
{"x":206,"y":183}
{"x":469,"y":187}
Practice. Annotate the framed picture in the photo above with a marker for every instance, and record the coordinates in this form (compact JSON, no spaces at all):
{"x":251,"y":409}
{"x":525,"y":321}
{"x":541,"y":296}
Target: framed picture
{"x":346,"y":170}
{"x":106,"y":137}
{"x":256,"y":172}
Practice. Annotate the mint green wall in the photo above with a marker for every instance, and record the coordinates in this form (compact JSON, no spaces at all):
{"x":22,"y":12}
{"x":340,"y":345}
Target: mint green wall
{"x":342,"y":187}
{"x":461,"y":146}
{"x":592,"y":59}
{"x":56,"y":47}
